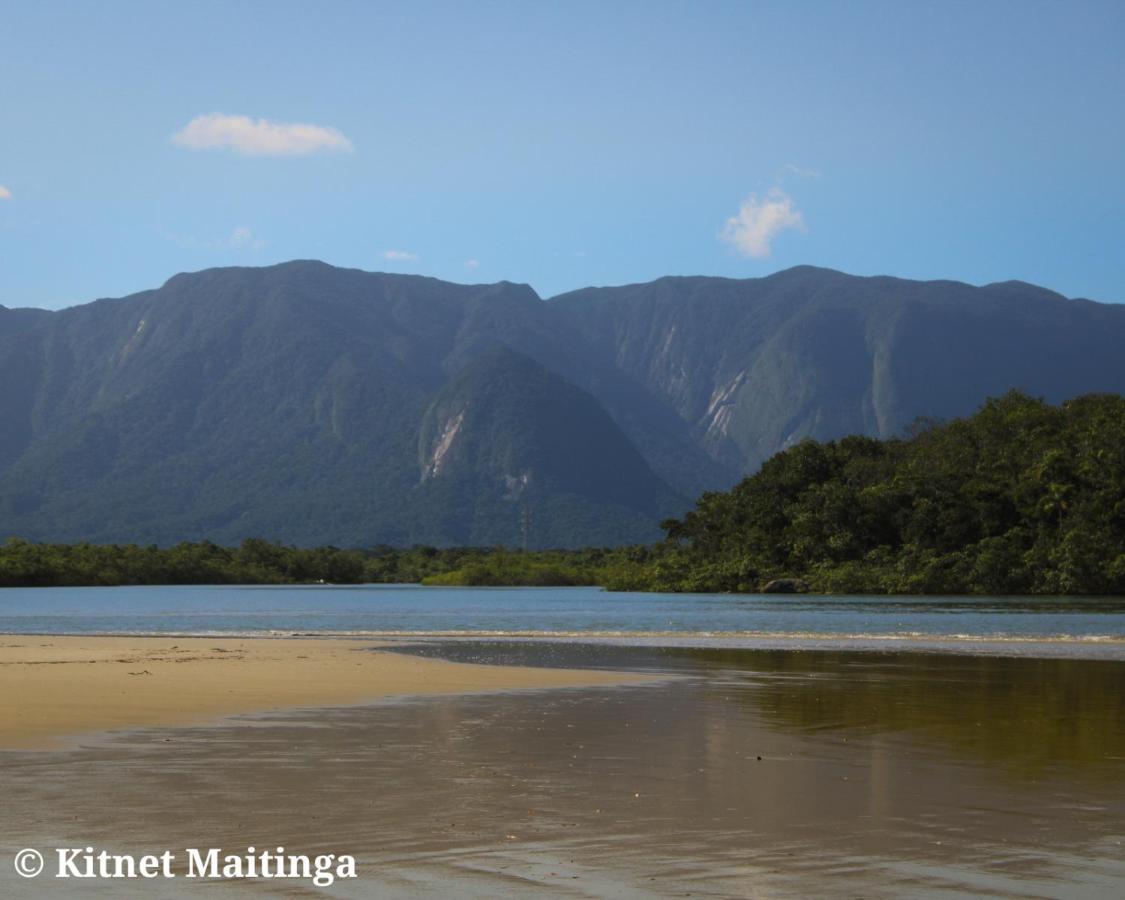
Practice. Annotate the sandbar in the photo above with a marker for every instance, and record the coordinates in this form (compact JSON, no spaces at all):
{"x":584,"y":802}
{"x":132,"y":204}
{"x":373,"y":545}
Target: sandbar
{"x":54,"y":687}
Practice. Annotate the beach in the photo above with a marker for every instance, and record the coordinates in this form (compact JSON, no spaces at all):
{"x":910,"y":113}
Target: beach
{"x":730,"y":774}
{"x":53,"y":688}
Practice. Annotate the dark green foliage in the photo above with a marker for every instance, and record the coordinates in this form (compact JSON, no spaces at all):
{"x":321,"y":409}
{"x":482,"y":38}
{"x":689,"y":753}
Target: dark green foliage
{"x":23,"y":564}
{"x":541,"y":569}
{"x":1021,"y":498}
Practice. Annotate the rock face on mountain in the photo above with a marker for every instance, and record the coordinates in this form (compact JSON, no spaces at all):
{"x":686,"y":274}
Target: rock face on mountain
{"x":754,"y":366}
{"x":322,"y":405}
{"x":507,"y":433}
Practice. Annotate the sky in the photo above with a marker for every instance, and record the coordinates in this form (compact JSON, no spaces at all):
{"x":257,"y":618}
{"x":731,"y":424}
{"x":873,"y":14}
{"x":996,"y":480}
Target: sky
{"x":561,"y":144}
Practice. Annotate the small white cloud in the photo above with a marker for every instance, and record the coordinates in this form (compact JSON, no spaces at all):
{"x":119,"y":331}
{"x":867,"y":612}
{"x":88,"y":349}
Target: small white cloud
{"x":472,"y":264}
{"x":758,"y":222}
{"x":399,"y":255}
{"x":258,"y":137}
{"x":5,"y":194}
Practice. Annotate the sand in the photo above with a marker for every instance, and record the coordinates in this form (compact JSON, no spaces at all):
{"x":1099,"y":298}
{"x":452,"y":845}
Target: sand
{"x":760,"y":774}
{"x":52,"y":687}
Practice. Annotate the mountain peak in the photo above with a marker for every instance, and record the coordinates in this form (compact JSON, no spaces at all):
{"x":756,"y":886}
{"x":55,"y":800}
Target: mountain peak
{"x":313,"y":271}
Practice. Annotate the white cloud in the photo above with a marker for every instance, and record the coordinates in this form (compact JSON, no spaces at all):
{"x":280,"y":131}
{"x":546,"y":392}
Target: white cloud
{"x":5,"y":194}
{"x":758,"y":222}
{"x":472,"y":264}
{"x":258,"y":137}
{"x":399,"y":255}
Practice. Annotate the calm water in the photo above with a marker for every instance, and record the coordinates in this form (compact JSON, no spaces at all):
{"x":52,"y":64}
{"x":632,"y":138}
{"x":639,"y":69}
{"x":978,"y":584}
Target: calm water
{"x":752,"y":773}
{"x":568,"y":612}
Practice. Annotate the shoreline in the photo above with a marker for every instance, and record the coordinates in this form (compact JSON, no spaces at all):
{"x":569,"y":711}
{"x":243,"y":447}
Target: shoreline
{"x":57,"y":687}
{"x":795,"y":774}
{"x":1108,"y":647}
{"x":54,"y":688}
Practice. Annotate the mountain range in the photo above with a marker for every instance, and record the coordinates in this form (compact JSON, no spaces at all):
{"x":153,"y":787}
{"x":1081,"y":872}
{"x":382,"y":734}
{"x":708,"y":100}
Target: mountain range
{"x":313,"y":404}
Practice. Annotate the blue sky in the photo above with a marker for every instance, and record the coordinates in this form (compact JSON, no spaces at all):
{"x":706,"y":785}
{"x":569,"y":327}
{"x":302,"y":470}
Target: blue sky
{"x":561,"y":144}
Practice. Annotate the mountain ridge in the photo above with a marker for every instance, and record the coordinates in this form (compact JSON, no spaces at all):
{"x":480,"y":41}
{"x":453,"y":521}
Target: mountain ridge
{"x":313,"y":263}
{"x":289,"y":401}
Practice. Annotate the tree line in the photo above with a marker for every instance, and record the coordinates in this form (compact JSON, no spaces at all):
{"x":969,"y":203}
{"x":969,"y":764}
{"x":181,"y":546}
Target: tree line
{"x":1021,"y":498}
{"x":255,"y":561}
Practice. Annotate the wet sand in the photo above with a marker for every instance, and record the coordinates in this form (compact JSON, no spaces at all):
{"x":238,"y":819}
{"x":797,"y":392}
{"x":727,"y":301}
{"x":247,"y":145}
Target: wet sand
{"x":54,"y":687}
{"x":759,"y":774}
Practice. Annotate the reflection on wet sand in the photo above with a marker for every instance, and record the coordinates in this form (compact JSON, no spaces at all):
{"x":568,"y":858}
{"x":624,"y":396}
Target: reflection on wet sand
{"x":1027,"y":716}
{"x":762,"y":774}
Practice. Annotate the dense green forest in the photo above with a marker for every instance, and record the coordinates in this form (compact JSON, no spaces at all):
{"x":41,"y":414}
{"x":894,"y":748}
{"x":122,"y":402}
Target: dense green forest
{"x":260,"y":562}
{"x":1021,"y":498}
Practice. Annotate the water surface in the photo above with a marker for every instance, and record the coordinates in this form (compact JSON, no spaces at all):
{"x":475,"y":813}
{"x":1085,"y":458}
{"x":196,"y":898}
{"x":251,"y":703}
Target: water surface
{"x":566,"y":612}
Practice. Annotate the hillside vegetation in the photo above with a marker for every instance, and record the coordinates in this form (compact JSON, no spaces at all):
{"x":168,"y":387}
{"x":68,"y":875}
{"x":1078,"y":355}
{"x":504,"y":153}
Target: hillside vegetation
{"x":311,"y":405}
{"x":1021,"y":498}
{"x":254,"y":561}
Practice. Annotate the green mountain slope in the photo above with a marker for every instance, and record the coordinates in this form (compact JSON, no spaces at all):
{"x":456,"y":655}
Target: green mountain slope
{"x":282,"y":402}
{"x":756,"y":365}
{"x":509,"y":446}
{"x":293,"y":402}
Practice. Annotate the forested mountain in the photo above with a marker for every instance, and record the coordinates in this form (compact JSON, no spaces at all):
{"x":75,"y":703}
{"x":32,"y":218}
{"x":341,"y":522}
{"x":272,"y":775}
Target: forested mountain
{"x":313,"y":404}
{"x":754,"y":366}
{"x":558,"y":457}
{"x":1021,"y":498}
